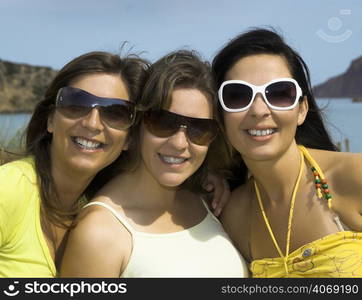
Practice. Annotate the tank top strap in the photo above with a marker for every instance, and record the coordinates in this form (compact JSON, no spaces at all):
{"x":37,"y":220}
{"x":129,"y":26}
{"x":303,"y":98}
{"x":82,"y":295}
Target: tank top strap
{"x":117,"y":215}
{"x":209,"y":212}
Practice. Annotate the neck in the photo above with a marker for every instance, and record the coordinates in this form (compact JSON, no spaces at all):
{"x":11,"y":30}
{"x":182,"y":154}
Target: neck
{"x":153,"y":193}
{"x":69,"y":186}
{"x":276,"y":177}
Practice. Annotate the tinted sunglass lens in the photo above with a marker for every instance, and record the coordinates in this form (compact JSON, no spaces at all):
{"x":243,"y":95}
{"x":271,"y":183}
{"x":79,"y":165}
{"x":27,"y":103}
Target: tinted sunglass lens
{"x":160,"y":124}
{"x":74,"y":111}
{"x":117,"y":116}
{"x":202,"y":134}
{"x":236,"y":95}
{"x":165,"y":124}
{"x":281,"y":94}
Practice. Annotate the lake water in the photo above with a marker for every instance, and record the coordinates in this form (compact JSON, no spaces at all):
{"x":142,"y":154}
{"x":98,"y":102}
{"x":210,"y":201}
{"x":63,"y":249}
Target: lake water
{"x":12,"y":125}
{"x":342,"y":116}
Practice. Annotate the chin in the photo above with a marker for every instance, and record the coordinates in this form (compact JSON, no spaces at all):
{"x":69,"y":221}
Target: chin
{"x":261,"y":154}
{"x":171,"y":181}
{"x":89,"y":166}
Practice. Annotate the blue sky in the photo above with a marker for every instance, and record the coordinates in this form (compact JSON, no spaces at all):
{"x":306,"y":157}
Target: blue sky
{"x":327,"y":33}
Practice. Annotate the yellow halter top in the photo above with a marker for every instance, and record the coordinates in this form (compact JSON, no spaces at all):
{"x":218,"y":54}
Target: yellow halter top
{"x":335,"y":255}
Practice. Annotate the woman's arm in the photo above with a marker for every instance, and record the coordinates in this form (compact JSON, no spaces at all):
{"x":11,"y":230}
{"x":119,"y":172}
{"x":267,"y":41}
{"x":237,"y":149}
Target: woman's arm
{"x":16,"y":192}
{"x":347,"y":185}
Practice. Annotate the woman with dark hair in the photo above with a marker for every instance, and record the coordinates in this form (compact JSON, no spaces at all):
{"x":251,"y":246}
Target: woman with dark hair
{"x":73,"y":145}
{"x":298,"y":209}
{"x":162,"y":226}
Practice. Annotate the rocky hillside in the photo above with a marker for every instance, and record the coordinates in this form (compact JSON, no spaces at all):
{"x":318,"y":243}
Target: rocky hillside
{"x":22,"y":85}
{"x":346,"y":85}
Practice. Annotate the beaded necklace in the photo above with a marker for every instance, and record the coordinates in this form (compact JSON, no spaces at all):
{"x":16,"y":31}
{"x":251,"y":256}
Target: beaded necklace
{"x":320,"y":183}
{"x":319,"y":179}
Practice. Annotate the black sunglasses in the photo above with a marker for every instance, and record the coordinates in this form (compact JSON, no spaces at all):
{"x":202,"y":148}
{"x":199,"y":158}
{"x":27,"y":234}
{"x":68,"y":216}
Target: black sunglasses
{"x":163,"y":123}
{"x":75,"y":103}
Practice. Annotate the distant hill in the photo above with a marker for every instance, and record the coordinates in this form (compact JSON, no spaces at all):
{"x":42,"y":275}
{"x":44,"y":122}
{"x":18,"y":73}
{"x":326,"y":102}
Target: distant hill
{"x":346,"y":85}
{"x":22,"y":85}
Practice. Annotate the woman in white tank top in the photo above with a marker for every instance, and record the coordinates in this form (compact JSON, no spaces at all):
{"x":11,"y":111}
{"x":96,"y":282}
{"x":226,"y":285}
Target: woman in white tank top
{"x":151,"y":220}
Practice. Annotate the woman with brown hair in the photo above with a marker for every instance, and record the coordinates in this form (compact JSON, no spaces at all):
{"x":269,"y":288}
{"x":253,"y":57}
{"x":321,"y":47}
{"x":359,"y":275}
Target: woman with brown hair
{"x":153,"y":221}
{"x":73,"y":145}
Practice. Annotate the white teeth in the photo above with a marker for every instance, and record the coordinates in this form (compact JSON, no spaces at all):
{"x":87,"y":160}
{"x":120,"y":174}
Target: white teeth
{"x":172,"y":160}
{"x":255,"y":132}
{"x":86,"y":144}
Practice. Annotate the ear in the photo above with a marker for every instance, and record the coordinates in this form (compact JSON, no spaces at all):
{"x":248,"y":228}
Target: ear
{"x":303,"y":110}
{"x":50,"y":126}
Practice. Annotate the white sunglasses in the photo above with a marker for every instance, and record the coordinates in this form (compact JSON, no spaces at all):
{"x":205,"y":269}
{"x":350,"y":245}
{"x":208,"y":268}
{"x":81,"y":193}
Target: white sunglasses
{"x":278,"y":94}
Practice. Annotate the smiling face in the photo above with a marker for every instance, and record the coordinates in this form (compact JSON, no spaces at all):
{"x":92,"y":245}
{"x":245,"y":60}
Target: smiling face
{"x":87,"y":144}
{"x":261,"y":133}
{"x":171,"y":160}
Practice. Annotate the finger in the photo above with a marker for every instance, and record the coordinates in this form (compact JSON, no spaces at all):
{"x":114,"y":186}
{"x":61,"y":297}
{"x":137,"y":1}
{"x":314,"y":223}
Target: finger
{"x":208,"y":187}
{"x":217,"y":196}
{"x":217,"y":212}
{"x":224,"y":198}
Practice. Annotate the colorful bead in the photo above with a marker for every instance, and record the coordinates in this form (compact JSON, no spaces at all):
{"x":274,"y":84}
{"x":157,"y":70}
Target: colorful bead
{"x":321,"y":183}
{"x":330,"y":203}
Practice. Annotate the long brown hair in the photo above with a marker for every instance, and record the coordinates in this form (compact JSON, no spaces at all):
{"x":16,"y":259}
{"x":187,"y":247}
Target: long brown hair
{"x":132,"y":71}
{"x":184,"y":69}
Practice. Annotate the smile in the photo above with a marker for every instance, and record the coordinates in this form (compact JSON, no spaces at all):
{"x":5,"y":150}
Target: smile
{"x":172,"y":159}
{"x":264,"y":132}
{"x":86,"y":144}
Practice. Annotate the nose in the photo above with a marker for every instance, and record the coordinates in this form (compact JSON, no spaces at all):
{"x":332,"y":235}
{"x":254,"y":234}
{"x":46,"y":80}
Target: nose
{"x":93,"y":121}
{"x":259,"y":108}
{"x":179,"y":139}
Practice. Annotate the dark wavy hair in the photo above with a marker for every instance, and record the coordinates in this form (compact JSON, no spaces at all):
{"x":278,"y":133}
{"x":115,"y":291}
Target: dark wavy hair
{"x":184,"y":69}
{"x":312,"y":133}
{"x":132,"y":70}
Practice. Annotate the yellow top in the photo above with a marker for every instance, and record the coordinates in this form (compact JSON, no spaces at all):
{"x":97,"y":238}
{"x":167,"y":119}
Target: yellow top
{"x":335,"y":255}
{"x":23,"y":249}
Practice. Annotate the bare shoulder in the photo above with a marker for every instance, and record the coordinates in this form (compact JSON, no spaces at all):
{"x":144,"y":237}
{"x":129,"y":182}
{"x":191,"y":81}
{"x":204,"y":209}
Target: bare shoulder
{"x":343,"y":171}
{"x":237,"y":204}
{"x":95,"y":222}
{"x":96,"y":246}
{"x":338,"y":161}
{"x":95,"y":230}
{"x":241,"y":195}
{"x":235,"y":218}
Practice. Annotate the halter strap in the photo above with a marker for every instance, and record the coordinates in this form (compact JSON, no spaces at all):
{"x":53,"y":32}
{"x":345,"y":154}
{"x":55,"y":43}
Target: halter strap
{"x":314,"y":164}
{"x":291,"y":210}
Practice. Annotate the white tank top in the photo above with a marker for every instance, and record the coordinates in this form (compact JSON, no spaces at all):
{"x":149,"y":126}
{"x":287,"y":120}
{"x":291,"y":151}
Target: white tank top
{"x":203,"y":250}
